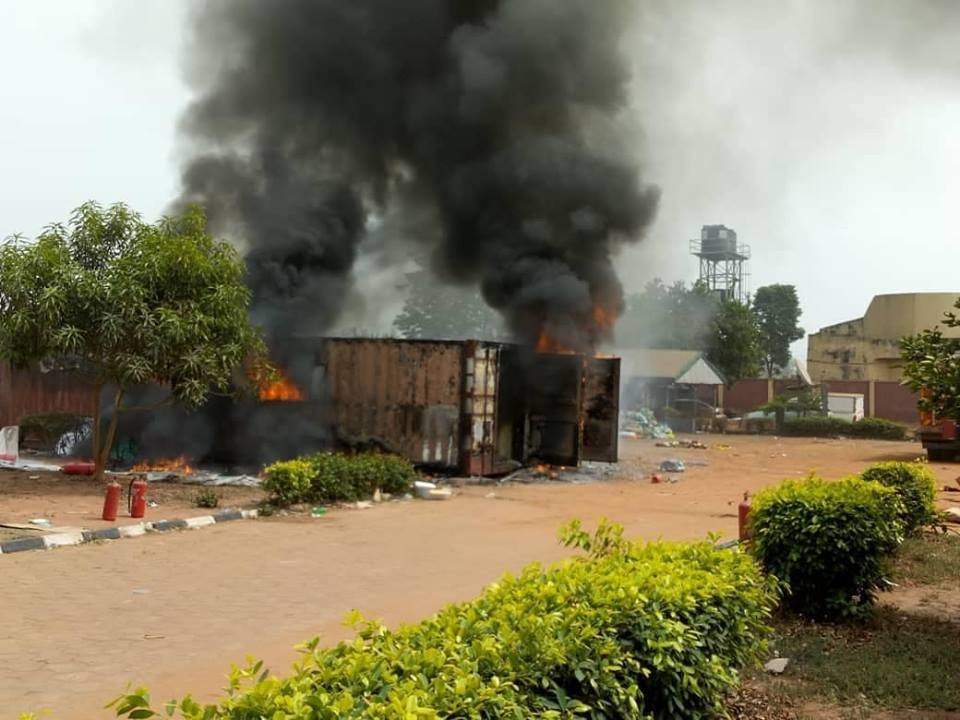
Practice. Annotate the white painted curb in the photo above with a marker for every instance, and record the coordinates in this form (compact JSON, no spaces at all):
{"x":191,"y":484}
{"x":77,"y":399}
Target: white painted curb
{"x":199,"y":522}
{"x":63,"y":539}
{"x":128,"y":531}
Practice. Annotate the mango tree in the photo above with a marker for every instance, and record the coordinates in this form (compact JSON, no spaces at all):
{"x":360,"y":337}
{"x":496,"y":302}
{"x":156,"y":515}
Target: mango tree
{"x":126,"y":302}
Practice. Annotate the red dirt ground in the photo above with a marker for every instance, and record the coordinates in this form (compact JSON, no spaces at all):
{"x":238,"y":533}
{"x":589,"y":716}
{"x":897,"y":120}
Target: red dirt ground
{"x":172,"y":611}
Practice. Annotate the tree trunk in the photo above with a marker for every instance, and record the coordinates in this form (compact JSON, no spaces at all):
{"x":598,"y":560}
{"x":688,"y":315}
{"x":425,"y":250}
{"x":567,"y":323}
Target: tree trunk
{"x":103,"y":445}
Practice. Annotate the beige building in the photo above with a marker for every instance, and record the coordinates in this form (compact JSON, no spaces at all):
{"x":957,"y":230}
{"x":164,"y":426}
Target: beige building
{"x":869,"y":348}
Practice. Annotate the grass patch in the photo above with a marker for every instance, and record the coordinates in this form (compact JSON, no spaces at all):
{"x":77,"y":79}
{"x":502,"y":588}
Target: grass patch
{"x":928,"y":560}
{"x":892,"y":661}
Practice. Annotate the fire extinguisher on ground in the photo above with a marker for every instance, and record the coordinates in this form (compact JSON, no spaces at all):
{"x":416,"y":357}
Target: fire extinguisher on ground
{"x":137,"y":498}
{"x":743,"y":517}
{"x":111,"y":501}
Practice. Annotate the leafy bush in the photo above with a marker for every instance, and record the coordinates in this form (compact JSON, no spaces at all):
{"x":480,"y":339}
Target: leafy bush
{"x":816,"y":426}
{"x":634,"y":631}
{"x":916,"y":487}
{"x":333,"y":477}
{"x":206,"y":498}
{"x":878,"y":429}
{"x":831,"y":427}
{"x":289,"y":481}
{"x":828,"y":541}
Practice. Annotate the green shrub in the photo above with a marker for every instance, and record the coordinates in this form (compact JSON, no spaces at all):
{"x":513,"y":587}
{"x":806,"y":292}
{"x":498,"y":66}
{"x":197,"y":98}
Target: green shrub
{"x":207,"y":498}
{"x":335,"y":477}
{"x":289,"y":481}
{"x":816,"y":426}
{"x":831,"y":427}
{"x":634,"y":631}
{"x":878,"y":429}
{"x":828,"y":541}
{"x":916,"y":487}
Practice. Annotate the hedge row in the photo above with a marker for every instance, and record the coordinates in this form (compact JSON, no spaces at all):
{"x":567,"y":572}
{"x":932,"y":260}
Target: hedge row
{"x":633,"y":631}
{"x":829,"y":542}
{"x":334,"y":477}
{"x":823,"y":426}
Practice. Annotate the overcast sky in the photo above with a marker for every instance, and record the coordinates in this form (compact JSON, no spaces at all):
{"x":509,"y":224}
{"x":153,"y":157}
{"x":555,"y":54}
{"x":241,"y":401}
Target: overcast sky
{"x":827,"y":133}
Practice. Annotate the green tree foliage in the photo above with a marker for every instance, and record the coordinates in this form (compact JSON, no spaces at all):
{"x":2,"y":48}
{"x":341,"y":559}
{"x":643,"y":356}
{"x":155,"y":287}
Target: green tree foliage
{"x":676,"y":317}
{"x":932,"y":367}
{"x":437,"y":310}
{"x":127,"y":302}
{"x":777,"y":308}
{"x":734,"y":342}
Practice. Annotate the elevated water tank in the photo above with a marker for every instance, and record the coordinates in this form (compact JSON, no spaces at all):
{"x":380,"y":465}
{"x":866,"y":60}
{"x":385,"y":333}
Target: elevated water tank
{"x":718,"y":240}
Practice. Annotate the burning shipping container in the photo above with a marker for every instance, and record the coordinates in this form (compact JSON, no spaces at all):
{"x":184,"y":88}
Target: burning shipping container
{"x":479,"y":408}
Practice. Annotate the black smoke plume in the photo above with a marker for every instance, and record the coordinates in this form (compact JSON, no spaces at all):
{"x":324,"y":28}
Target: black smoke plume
{"x":311,"y":114}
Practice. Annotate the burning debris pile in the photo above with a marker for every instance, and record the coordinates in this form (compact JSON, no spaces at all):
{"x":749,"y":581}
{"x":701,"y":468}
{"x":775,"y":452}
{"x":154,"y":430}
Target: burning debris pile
{"x":491,"y":121}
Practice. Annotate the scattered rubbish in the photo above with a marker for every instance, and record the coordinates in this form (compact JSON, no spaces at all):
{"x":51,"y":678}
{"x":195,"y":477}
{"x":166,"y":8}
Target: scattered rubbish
{"x":41,"y":522}
{"x":439,"y":494}
{"x":148,"y":636}
{"x":490,"y":496}
{"x":587,"y":472}
{"x":952,"y":514}
{"x":34,"y":477}
{"x":364,"y":505}
{"x":723,"y":447}
{"x":407,"y":496}
{"x":141,"y":591}
{"x":673,"y":466}
{"x":422,"y":488}
{"x":377,"y":496}
{"x":386,"y":496}
{"x":318,"y":511}
{"x":153,"y":503}
{"x":656,"y":479}
{"x":777,"y":666}
{"x":643,"y":424}
{"x":688,"y":444}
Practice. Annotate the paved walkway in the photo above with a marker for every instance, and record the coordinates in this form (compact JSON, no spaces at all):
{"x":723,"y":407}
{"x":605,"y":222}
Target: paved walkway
{"x":172,"y":611}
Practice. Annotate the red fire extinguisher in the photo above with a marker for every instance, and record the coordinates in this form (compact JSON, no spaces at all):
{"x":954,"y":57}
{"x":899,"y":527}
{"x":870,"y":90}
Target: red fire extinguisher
{"x":137,"y":498}
{"x":111,"y":502}
{"x":743,"y":517}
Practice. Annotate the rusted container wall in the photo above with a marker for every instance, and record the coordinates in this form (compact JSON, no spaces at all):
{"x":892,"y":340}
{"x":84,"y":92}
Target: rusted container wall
{"x":407,"y":394}
{"x":28,"y":392}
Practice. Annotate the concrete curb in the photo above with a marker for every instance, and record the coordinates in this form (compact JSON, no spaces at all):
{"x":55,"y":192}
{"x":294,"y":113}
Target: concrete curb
{"x":80,"y":537}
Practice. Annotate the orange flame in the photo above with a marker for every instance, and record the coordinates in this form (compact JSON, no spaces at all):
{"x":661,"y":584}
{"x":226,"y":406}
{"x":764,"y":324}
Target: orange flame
{"x":283,"y":389}
{"x":600,"y":322}
{"x":178,"y":465}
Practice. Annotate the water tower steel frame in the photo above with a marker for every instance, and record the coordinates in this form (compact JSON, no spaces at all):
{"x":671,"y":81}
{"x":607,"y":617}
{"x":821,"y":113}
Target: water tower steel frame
{"x":724,"y":262}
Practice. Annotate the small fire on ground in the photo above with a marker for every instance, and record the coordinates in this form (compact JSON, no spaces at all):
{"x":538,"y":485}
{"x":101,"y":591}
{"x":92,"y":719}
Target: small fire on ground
{"x":178,"y":465}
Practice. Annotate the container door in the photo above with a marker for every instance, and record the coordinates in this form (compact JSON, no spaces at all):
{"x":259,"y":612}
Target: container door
{"x":601,"y":409}
{"x":554,"y":385}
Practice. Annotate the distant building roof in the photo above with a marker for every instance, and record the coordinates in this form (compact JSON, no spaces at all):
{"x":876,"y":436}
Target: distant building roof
{"x":688,"y":367}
